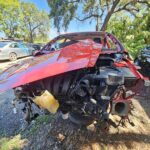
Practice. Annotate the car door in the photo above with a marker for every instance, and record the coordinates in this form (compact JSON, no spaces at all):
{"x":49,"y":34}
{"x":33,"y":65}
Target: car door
{"x":24,"y":50}
{"x":14,"y":48}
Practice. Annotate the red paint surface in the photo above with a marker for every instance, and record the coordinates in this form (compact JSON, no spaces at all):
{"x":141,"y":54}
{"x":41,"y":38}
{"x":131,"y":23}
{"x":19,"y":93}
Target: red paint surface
{"x":83,"y":54}
{"x":76,"y":56}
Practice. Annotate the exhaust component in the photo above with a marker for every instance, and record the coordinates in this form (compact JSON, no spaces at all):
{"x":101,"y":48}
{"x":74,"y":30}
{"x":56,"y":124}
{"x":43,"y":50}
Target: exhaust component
{"x":47,"y":101}
{"x":120,"y":108}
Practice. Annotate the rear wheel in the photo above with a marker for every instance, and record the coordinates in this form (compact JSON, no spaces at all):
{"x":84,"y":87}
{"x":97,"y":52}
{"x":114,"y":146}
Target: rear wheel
{"x":12,"y":56}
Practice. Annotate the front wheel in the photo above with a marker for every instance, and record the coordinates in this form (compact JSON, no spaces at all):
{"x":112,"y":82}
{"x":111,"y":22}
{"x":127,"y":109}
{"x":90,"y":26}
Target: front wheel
{"x":80,"y":119}
{"x":12,"y":56}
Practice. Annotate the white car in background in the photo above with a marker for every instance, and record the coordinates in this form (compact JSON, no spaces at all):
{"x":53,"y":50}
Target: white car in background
{"x":11,"y":50}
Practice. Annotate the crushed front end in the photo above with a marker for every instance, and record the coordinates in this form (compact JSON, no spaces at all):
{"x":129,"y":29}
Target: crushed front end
{"x":85,"y":81}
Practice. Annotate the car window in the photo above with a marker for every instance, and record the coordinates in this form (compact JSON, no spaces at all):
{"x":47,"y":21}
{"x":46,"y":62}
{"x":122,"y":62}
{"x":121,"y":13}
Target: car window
{"x":53,"y":46}
{"x":111,"y":44}
{"x":57,"y":44}
{"x":2,"y":44}
{"x":22,"y":45}
{"x":36,"y":47}
{"x":14,"y":45}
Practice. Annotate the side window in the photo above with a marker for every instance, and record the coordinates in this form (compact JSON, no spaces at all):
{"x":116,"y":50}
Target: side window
{"x":111,"y":44}
{"x":47,"y":47}
{"x":21,"y":45}
{"x":14,"y":45}
{"x":97,"y":40}
{"x":58,"y":44}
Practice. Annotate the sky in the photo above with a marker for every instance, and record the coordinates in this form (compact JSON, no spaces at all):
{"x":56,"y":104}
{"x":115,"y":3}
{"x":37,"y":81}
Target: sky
{"x":75,"y":26}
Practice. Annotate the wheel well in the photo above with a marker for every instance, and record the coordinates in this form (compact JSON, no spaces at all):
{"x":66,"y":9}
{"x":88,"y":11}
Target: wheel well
{"x":12,"y":53}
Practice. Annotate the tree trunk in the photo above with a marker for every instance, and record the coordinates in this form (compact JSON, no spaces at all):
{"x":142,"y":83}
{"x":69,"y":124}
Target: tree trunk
{"x":31,"y":37}
{"x":109,"y":14}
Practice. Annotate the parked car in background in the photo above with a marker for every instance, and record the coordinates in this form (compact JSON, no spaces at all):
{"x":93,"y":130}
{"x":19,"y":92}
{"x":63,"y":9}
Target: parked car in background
{"x":37,"y":47}
{"x":143,"y":60}
{"x":12,"y":50}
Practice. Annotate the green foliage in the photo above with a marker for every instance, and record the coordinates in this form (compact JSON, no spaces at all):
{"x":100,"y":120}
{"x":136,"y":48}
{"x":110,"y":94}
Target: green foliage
{"x":14,"y":143}
{"x":35,"y":23}
{"x":23,"y":20}
{"x":9,"y":19}
{"x":64,"y":11}
{"x":134,"y":33}
{"x":38,"y":122}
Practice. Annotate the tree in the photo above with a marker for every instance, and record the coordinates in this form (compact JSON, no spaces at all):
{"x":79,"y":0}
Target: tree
{"x":9,"y":19}
{"x":63,"y":12}
{"x":34,"y":22}
{"x":134,"y":33}
{"x":23,"y":20}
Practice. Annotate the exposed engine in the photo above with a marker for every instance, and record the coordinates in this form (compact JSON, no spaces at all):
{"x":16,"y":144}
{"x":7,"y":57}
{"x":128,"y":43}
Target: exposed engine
{"x":86,"y":94}
{"x":86,"y":76}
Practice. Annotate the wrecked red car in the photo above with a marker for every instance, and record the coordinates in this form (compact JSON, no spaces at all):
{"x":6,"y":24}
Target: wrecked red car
{"x":86,"y":76}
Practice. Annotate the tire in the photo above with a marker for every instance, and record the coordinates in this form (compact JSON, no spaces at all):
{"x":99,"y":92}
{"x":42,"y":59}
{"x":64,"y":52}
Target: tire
{"x":12,"y":56}
{"x":79,"y":119}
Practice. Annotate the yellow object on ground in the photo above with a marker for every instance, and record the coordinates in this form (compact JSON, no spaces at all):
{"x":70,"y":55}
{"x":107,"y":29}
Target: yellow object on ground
{"x":47,"y":101}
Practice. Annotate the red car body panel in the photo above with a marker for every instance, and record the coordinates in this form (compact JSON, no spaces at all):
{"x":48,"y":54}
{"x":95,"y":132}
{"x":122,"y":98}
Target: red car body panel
{"x":80,"y":55}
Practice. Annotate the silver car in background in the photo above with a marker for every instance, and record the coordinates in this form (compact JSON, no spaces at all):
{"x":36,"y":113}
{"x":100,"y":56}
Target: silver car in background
{"x":12,"y":50}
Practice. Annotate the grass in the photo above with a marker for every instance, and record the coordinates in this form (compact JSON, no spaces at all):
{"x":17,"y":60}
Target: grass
{"x":19,"y":141}
{"x":14,"y":143}
{"x":39,"y":121}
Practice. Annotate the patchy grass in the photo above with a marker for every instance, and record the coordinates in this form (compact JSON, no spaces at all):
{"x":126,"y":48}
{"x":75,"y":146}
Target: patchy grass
{"x":13,"y":143}
{"x":38,"y":122}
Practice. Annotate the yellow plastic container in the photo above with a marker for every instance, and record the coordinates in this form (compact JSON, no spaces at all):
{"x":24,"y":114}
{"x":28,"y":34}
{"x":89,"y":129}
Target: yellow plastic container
{"x":47,"y":101}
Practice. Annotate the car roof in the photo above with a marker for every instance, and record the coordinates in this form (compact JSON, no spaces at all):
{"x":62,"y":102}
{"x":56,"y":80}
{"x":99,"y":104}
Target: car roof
{"x":76,"y":35}
{"x":7,"y":41}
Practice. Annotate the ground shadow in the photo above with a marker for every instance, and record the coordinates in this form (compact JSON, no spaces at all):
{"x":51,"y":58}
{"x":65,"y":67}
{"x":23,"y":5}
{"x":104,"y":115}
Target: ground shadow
{"x":75,"y":137}
{"x":144,"y":97}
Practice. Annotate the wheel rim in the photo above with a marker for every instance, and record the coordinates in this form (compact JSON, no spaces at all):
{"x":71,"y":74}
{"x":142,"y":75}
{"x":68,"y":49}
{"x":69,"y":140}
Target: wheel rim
{"x":13,"y":57}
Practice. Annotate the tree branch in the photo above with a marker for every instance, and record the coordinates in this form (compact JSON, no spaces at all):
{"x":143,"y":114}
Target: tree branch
{"x":36,"y":27}
{"x":144,"y":2}
{"x":129,"y":3}
{"x":74,"y":1}
{"x":124,"y":7}
{"x":88,"y":17}
{"x":109,"y":14}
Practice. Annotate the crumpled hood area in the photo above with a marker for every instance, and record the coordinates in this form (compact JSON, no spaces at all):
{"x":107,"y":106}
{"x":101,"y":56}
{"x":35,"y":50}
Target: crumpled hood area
{"x":80,"y":55}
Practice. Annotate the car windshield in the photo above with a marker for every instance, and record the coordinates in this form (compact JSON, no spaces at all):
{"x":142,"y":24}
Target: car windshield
{"x":2,"y":44}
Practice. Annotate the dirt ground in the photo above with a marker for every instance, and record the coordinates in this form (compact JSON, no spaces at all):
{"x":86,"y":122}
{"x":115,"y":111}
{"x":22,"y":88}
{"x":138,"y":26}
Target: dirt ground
{"x":52,"y":133}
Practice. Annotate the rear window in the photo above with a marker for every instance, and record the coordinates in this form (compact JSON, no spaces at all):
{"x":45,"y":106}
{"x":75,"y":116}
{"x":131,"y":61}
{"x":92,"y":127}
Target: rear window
{"x":2,"y":44}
